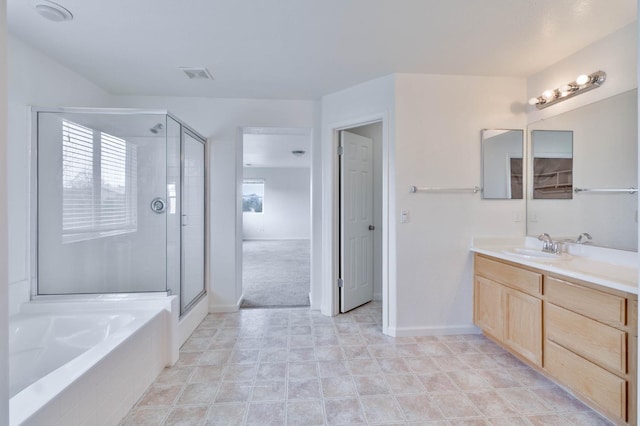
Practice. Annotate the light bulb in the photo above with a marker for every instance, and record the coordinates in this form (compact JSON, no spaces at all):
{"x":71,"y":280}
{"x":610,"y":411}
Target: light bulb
{"x":583,"y":79}
{"x":565,"y":90}
{"x":533,"y":101}
{"x":549,"y":94}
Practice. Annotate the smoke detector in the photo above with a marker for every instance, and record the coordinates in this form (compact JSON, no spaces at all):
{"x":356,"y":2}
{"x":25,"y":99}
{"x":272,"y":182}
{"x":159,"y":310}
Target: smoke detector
{"x":197,"y":73}
{"x":53,"y":11}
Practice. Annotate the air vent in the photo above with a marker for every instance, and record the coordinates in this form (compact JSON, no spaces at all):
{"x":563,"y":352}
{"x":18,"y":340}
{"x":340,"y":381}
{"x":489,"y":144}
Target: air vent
{"x":197,"y":73}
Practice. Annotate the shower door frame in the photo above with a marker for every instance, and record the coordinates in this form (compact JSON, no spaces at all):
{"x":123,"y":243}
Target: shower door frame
{"x":32,"y":261}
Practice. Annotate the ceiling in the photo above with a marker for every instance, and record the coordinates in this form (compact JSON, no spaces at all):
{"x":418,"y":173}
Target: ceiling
{"x":303,"y":49}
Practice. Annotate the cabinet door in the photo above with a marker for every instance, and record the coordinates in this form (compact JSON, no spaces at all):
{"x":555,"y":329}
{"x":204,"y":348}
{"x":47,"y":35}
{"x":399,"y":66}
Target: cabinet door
{"x":488,"y":313}
{"x":523,"y":325}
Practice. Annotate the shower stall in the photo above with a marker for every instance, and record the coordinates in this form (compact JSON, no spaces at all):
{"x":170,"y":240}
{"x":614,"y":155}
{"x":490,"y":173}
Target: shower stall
{"x":119,"y":204}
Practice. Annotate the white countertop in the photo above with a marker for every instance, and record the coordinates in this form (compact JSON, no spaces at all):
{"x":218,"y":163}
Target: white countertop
{"x":616,"y":269}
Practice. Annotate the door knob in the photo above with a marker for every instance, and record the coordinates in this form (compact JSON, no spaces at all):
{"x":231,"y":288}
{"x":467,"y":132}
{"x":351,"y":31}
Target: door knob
{"x":371,"y":227}
{"x":158,"y":205}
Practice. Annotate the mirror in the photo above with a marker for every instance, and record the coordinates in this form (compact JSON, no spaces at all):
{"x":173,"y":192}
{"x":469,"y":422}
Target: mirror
{"x":603,"y":136}
{"x":552,"y":164}
{"x":502,"y":172}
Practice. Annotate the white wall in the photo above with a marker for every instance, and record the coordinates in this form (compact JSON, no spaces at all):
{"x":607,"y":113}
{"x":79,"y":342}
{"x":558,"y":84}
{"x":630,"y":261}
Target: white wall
{"x":437,"y":143}
{"x":286,"y":206}
{"x":373,"y":131}
{"x":221,"y":121}
{"x":34,"y":80}
{"x":4,"y":327}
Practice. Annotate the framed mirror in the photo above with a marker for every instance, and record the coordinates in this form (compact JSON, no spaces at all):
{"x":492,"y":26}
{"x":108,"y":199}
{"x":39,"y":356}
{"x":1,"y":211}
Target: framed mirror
{"x":604,"y":138}
{"x":552,"y":153}
{"x":502,"y":168}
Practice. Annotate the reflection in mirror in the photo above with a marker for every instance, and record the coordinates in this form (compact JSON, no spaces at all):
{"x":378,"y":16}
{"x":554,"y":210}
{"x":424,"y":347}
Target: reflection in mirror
{"x":552,"y":164}
{"x":605,"y":153}
{"x":502,"y":174}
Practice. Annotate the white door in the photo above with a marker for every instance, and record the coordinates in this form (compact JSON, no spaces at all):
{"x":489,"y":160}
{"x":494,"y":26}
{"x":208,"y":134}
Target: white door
{"x":356,"y":220}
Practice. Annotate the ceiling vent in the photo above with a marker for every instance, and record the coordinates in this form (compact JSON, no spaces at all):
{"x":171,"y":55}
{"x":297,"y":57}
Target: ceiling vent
{"x":197,"y":73}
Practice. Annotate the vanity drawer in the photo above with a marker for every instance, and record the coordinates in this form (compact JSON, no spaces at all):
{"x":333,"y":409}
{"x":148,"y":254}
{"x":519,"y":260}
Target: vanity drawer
{"x":603,"y":307}
{"x":601,"y":387}
{"x":520,"y":279}
{"x":604,"y":345}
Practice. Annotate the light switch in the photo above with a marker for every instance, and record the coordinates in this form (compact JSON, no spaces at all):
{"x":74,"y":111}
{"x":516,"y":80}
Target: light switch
{"x":404,"y":216}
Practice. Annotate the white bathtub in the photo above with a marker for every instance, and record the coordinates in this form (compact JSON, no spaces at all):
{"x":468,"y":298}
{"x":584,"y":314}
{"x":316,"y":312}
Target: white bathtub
{"x":86,"y":362}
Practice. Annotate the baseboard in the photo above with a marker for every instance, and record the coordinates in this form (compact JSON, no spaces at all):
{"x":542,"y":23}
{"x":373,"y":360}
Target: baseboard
{"x":433,"y":330}
{"x":226,"y":308}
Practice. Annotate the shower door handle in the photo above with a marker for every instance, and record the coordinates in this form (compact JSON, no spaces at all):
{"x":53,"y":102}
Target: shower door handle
{"x":158,"y":205}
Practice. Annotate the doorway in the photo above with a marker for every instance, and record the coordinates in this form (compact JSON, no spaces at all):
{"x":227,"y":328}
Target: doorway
{"x":276,"y":218}
{"x":360,"y":215}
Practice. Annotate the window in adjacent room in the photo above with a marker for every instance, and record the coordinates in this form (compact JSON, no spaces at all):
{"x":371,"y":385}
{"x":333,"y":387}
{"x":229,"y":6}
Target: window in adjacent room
{"x":253,"y":195}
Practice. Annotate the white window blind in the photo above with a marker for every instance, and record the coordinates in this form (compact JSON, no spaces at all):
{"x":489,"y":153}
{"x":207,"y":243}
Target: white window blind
{"x":99,"y":183}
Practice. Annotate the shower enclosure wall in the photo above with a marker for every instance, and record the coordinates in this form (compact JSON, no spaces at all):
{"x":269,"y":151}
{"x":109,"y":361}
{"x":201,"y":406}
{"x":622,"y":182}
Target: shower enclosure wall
{"x":120,"y":204}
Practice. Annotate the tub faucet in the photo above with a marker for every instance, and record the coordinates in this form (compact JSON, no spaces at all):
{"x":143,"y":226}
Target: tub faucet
{"x":584,"y":238}
{"x":548,"y":245}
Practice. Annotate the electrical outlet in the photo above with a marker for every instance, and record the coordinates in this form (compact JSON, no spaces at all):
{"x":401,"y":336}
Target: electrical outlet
{"x":404,"y":216}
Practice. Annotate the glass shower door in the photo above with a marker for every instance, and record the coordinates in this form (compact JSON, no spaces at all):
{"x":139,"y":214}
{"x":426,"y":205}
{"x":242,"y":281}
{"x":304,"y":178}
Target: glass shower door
{"x":102,"y":201}
{"x":193,"y":220}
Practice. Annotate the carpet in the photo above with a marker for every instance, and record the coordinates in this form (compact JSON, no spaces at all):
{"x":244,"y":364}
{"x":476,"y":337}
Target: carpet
{"x":276,"y":273}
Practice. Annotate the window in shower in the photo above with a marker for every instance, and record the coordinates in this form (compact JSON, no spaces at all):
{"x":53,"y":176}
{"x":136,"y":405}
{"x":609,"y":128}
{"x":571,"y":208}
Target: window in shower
{"x":99,"y":193}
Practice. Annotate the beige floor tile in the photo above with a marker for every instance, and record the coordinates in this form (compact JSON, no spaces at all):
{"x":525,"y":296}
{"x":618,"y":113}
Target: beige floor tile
{"x":461,"y":347}
{"x":239,"y":372}
{"x":333,"y":387}
{"x":186,"y":416}
{"x":272,"y":371}
{"x":198,"y":393}
{"x":234,"y":392}
{"x":491,"y":404}
{"x":328,"y":353}
{"x":409,"y":350}
{"x":302,"y":370}
{"x":188,"y":358}
{"x":244,"y":356}
{"x":300,"y":329}
{"x":455,"y":405}
{"x":159,"y":395}
{"x":268,"y":390}
{"x":559,"y":400}
{"x":356,"y":352}
{"x":263,"y":414}
{"x":378,"y":409}
{"x":469,"y":422}
{"x":301,"y":354}
{"x":548,"y":420}
{"x":300,"y":341}
{"x":343,"y":411}
{"x":274,"y":354}
{"x":325,"y":340}
{"x":438,"y":382}
{"x":145,"y":416}
{"x":434,"y":348}
{"x":508,"y":421}
{"x":530,"y":378}
{"x":363,"y":367}
{"x":393,"y":366}
{"x":424,"y":365}
{"x":524,"y":401}
{"x":400,"y":384}
{"x":478,"y":361}
{"x":450,"y":363}
{"x":226,"y":414}
{"x":174,"y":375}
{"x":303,"y":389}
{"x":587,"y":418}
{"x":308,"y":413}
{"x":371,"y":385}
{"x":207,"y":373}
{"x":500,"y":378}
{"x":215,"y":357}
{"x":419,"y":408}
{"x":384,"y":351}
{"x":468,"y":380}
{"x":332,"y":368}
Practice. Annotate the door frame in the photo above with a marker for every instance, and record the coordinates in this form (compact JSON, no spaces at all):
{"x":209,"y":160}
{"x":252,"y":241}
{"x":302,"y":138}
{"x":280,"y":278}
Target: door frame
{"x":239,"y":228}
{"x":331,"y":219}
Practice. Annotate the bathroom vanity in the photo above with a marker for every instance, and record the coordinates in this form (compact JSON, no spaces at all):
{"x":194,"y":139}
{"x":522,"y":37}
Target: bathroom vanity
{"x":575,"y":319}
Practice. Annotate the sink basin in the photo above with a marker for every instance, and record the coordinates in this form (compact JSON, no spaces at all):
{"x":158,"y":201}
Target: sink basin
{"x":537,"y":254}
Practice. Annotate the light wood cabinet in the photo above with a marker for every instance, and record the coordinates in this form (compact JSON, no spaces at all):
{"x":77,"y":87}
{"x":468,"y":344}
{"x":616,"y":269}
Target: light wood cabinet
{"x":580,"y":334}
{"x":508,"y":307}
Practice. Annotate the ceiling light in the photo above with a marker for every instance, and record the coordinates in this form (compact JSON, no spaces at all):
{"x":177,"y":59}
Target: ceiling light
{"x":53,"y":11}
{"x":298,"y":152}
{"x":195,"y":73}
{"x":583,"y":83}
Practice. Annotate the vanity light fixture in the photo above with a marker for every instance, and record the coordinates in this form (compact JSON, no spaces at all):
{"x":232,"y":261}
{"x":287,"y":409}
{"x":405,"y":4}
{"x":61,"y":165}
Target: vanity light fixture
{"x":583,"y":83}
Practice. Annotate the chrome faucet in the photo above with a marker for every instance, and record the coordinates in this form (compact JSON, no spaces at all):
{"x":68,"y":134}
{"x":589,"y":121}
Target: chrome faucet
{"x":548,"y":245}
{"x":583,"y":238}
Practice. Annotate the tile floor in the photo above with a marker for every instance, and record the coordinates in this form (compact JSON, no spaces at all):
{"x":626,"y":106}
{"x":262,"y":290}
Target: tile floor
{"x":297,"y":367}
